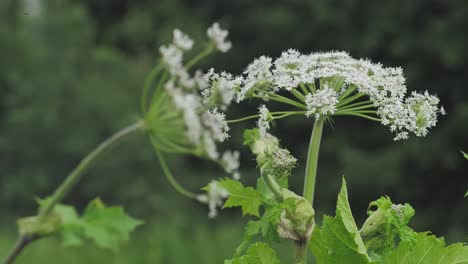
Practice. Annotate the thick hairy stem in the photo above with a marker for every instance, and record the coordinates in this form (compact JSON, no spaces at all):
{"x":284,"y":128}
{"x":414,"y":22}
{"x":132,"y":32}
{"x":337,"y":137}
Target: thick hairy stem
{"x":23,"y":241}
{"x":311,"y":173}
{"x":301,"y":250}
{"x":69,"y":182}
{"x":312,"y":159}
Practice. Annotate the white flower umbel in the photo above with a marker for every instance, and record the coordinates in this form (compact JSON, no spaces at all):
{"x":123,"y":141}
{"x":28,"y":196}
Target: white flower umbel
{"x":214,"y":197}
{"x":321,"y":103}
{"x":182,"y":40}
{"x":263,"y":122}
{"x":218,"y":36}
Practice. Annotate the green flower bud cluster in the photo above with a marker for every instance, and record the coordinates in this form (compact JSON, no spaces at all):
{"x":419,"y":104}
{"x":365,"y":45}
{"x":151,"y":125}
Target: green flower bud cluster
{"x":275,"y":165}
{"x":273,"y":160}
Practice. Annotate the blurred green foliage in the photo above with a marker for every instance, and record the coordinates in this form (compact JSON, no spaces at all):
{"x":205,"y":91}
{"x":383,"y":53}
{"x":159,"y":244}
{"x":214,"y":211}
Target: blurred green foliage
{"x":72,"y":75}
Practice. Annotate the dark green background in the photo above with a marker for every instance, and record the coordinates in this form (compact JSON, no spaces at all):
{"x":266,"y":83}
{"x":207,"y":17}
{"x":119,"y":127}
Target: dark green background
{"x":72,"y":76}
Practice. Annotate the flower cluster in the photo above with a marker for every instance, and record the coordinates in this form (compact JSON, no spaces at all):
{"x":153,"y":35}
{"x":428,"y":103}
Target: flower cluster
{"x":204,"y":124}
{"x":218,"y":36}
{"x":329,"y":83}
{"x":222,"y":89}
{"x":263,"y":122}
{"x":321,"y":103}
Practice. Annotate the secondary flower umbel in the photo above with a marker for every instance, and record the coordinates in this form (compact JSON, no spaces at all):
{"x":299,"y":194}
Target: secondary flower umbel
{"x":185,"y":117}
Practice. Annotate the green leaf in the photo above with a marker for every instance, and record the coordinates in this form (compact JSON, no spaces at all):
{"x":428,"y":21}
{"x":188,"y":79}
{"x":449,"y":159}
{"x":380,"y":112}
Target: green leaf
{"x":428,"y":249}
{"x":339,"y":241}
{"x":343,"y":212}
{"x":266,"y":226}
{"x":247,"y":198}
{"x":258,"y":253}
{"x":387,"y":222}
{"x":252,"y":229}
{"x":106,"y":226}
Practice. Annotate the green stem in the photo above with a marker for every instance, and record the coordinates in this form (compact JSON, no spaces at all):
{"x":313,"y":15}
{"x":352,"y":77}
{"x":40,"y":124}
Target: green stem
{"x":200,"y":56}
{"x":350,"y":99}
{"x":304,"y":88}
{"x":301,"y":253}
{"x":280,"y":114}
{"x":23,"y":241}
{"x":348,"y":92}
{"x":312,"y":159}
{"x":274,"y":95}
{"x":282,"y":99}
{"x":357,"y":114}
{"x":290,"y":114}
{"x":356,"y":104}
{"x":352,"y":109}
{"x":159,"y":93}
{"x":311,"y":173}
{"x":147,"y":86}
{"x":73,"y":178}
{"x":298,"y":95}
{"x":273,"y":185}
{"x":170,"y":177}
{"x":242,"y":119}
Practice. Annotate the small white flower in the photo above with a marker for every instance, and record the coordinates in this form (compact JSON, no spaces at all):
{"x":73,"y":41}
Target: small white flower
{"x":172,"y":56}
{"x":259,"y":69}
{"x":214,"y":197}
{"x":321,"y":103}
{"x":401,"y":135}
{"x":182,"y":40}
{"x":236,"y":176}
{"x":215,"y":122}
{"x":442,"y":111}
{"x":289,"y":69}
{"x":244,"y":90}
{"x":222,"y":89}
{"x":226,"y":92}
{"x":209,"y":145}
{"x":263,"y":121}
{"x":218,"y":36}
{"x":230,"y":161}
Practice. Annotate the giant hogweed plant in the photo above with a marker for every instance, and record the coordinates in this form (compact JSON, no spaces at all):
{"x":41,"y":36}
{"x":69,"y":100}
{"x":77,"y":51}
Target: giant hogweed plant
{"x":183,"y":112}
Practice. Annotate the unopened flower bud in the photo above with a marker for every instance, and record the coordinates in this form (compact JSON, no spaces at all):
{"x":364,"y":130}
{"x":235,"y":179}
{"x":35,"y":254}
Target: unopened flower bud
{"x":297,"y":225}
